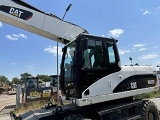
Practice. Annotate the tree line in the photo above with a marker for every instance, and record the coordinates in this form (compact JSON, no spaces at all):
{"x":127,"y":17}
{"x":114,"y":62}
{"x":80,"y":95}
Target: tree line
{"x":16,"y":80}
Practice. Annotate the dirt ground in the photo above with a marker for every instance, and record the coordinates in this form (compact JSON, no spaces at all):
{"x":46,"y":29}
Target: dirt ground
{"x":6,"y":100}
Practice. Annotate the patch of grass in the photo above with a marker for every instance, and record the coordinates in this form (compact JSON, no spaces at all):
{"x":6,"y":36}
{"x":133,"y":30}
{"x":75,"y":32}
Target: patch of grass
{"x":148,"y":95}
{"x":30,"y":106}
{"x":33,"y":106}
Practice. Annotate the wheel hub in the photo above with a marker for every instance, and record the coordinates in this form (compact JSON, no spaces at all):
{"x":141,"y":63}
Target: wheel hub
{"x":151,"y":116}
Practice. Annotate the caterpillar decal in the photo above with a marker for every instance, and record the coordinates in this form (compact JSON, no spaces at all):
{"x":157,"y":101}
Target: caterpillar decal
{"x":20,"y":13}
{"x":136,"y":82}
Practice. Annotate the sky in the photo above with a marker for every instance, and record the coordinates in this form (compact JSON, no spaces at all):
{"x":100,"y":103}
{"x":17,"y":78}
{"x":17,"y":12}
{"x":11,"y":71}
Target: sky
{"x":135,"y":24}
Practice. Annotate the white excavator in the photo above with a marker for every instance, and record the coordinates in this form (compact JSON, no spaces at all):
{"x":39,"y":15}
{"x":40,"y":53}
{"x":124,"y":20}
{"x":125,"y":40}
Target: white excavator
{"x":91,"y":75}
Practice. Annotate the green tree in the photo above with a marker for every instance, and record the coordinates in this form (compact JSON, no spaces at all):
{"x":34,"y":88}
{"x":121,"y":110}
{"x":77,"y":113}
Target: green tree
{"x":23,"y":76}
{"x":3,"y":79}
{"x":136,"y":64}
{"x":15,"y":80}
{"x":45,"y":78}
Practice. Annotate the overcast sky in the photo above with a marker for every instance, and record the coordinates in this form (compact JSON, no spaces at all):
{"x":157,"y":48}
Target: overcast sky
{"x":136,"y":25}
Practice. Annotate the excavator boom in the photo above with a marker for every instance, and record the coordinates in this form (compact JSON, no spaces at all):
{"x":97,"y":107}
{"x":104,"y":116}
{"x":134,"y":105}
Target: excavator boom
{"x":27,"y":17}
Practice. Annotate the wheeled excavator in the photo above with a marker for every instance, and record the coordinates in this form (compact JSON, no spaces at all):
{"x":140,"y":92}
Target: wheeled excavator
{"x":92,"y":78}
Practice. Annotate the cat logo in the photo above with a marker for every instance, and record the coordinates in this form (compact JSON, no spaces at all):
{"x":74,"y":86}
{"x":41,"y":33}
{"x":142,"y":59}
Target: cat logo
{"x":133,"y":85}
{"x":15,"y":12}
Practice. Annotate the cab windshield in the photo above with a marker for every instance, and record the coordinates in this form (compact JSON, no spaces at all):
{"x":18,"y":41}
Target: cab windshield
{"x":93,"y":55}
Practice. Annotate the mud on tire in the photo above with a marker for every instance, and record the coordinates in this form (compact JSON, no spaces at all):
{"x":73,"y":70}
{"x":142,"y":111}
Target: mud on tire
{"x":149,"y":111}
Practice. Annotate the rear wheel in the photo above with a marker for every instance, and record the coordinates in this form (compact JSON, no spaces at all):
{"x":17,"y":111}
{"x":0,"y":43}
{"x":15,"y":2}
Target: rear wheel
{"x":149,"y":111}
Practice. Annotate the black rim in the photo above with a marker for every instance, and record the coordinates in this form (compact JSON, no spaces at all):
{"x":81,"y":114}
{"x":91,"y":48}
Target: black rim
{"x":151,"y":116}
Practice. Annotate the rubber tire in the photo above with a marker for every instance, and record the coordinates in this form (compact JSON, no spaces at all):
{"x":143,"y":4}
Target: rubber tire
{"x":149,"y":107}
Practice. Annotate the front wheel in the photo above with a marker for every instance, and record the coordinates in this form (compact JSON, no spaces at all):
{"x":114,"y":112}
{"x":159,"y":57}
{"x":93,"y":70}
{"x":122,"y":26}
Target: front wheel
{"x":149,"y":111}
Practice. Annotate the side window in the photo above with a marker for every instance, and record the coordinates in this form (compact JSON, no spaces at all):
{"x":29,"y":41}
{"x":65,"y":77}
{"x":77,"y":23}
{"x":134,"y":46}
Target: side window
{"x":69,"y":55}
{"x":113,"y":59}
{"x":68,"y":61}
{"x":111,"y":54}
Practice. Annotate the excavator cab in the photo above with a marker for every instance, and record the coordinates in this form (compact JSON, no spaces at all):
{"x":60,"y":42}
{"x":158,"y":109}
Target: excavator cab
{"x":85,"y":61}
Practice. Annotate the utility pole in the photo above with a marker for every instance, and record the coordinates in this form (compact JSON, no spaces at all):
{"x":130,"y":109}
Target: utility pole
{"x":67,"y":9}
